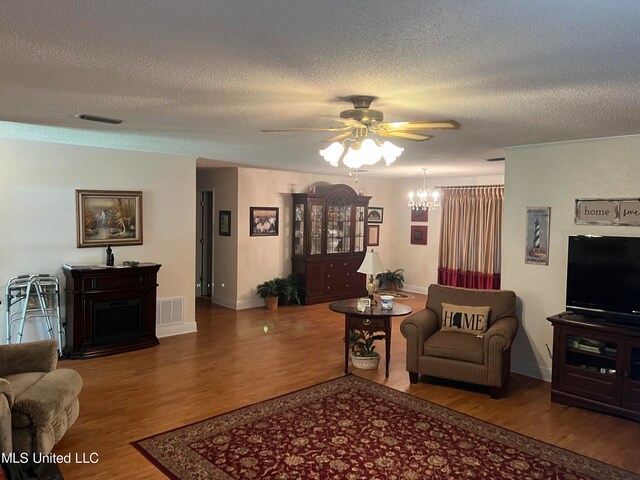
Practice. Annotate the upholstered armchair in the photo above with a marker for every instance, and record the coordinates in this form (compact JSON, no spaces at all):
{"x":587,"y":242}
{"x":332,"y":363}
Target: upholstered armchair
{"x":38,"y":402}
{"x":479,"y":357}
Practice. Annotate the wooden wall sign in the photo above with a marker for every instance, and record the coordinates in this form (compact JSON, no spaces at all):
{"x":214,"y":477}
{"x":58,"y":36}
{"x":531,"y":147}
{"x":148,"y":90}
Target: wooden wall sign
{"x":612,"y":211}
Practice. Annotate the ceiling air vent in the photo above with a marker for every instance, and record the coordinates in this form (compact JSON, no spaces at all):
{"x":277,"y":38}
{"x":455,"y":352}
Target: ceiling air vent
{"x":95,"y":118}
{"x":498,"y":159}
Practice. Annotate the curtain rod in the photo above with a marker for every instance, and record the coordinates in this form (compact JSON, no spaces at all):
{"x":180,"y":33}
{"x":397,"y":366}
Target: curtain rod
{"x":452,"y":187}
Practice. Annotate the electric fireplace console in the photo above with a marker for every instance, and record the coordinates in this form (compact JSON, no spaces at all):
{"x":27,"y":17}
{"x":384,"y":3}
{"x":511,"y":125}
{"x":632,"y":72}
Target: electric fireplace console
{"x":110,"y":309}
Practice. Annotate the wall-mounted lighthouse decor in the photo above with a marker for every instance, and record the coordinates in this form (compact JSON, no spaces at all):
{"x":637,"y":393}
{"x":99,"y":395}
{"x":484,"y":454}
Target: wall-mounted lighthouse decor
{"x":537,"y":248}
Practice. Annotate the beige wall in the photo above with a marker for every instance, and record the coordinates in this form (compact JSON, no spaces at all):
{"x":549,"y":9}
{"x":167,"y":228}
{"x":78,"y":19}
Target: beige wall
{"x":242,"y":262}
{"x":420,"y":262}
{"x":224,"y":183}
{"x":38,"y":224}
{"x":554,"y":175}
{"x":262,"y":258}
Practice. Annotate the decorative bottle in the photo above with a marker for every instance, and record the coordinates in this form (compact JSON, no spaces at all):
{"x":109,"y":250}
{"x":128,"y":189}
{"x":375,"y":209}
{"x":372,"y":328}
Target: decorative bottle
{"x":110,"y":257}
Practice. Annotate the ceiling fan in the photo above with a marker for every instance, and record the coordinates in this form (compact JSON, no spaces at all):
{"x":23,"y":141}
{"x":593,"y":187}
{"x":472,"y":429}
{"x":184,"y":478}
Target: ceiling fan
{"x":360,"y":127}
{"x":361,"y":117}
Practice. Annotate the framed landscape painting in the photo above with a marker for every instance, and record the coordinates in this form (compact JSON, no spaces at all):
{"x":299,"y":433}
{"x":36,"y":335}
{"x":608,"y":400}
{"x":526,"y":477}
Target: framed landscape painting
{"x":108,"y":217}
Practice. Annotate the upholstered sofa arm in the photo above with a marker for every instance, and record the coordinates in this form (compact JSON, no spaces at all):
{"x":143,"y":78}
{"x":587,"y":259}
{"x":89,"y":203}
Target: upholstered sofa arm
{"x":43,"y":401}
{"x":39,"y":356}
{"x":6,"y":401}
{"x":416,"y":329}
{"x":502,"y":332}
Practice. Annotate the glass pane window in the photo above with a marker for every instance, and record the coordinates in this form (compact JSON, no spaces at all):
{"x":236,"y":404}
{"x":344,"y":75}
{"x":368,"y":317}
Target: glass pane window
{"x":298,"y":229}
{"x":316,"y":230}
{"x":359,"y":230}
{"x":591,"y":354}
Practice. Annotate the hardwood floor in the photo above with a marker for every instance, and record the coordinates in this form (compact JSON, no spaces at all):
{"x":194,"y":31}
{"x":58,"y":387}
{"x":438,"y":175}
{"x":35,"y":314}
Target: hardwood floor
{"x":238,"y":358}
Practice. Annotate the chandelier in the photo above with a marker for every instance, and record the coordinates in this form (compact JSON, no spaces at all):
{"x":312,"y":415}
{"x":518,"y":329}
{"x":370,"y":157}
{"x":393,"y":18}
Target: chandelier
{"x":360,"y":149}
{"x":424,"y":198}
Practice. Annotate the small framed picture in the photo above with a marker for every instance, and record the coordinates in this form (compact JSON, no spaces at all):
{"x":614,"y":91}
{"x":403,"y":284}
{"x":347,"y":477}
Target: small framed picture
{"x":420,"y":215}
{"x":264,"y":221}
{"x":374,"y":235}
{"x":419,"y":234}
{"x":108,"y":217}
{"x":374,"y":214}
{"x":224,"y":223}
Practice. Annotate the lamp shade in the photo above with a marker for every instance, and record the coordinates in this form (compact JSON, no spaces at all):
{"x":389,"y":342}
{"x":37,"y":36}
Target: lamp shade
{"x":371,"y":265}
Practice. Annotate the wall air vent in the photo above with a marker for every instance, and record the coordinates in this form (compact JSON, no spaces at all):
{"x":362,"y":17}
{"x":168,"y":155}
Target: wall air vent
{"x":95,"y":118}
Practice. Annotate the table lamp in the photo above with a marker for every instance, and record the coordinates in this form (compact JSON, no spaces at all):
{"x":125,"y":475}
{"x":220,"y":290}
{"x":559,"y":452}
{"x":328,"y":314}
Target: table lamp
{"x":371,"y":265}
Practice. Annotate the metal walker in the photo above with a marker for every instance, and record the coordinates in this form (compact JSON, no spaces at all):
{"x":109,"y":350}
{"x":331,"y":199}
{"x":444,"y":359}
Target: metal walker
{"x":30,"y":296}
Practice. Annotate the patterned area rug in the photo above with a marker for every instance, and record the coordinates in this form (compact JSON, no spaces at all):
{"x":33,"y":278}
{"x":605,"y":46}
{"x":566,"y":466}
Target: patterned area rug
{"x":351,"y":428}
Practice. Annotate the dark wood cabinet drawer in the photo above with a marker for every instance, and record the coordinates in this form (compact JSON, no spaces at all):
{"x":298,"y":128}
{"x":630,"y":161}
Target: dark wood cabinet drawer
{"x":361,"y":323}
{"x":110,"y":283}
{"x":598,"y":386}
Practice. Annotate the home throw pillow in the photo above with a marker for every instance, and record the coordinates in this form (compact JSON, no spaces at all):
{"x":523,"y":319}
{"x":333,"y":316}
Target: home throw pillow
{"x":459,"y":318}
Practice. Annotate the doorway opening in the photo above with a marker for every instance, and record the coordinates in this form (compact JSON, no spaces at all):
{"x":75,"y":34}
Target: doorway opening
{"x":204,"y":244}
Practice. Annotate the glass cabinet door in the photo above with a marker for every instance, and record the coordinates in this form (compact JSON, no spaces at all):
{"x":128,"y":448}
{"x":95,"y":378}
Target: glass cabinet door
{"x":298,"y":229}
{"x":316,"y":230}
{"x":338,"y":225}
{"x":359,"y":245}
{"x":591,"y":354}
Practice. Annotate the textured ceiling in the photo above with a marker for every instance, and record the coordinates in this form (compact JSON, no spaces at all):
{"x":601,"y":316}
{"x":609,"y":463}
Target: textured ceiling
{"x":200,"y":78}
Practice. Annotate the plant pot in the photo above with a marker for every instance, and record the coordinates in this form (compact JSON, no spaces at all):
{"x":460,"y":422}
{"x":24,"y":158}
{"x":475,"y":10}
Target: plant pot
{"x":392,"y":287}
{"x":271,"y":303}
{"x":365,"y":363}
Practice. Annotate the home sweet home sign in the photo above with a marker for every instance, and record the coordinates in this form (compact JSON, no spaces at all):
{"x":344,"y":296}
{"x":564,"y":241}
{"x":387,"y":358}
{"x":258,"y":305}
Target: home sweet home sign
{"x":612,"y":211}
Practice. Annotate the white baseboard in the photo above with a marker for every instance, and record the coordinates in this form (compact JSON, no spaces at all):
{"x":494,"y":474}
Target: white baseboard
{"x":223,"y":302}
{"x":531,"y":370}
{"x":415,"y":289}
{"x":252,"y":303}
{"x":238,"y":305}
{"x":178,"y":329}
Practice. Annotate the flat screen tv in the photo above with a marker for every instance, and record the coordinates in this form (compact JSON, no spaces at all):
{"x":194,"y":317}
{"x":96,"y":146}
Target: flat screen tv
{"x":603,"y":278}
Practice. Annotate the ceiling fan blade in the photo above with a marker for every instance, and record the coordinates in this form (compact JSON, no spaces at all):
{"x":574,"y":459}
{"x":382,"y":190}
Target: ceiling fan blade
{"x":450,"y":124}
{"x":350,"y":122}
{"x":337,"y":138}
{"x":402,"y":134}
{"x":311,"y":129}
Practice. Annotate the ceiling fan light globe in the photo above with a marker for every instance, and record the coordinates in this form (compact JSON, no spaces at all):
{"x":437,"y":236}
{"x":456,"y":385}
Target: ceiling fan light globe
{"x":390,"y":152}
{"x":333,"y":153}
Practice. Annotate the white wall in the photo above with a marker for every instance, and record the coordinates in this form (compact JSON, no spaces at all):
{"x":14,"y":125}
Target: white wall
{"x":38,"y":214}
{"x":555,"y":175}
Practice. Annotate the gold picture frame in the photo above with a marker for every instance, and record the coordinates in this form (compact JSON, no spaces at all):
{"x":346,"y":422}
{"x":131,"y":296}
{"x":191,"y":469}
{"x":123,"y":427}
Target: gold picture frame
{"x":108,"y":217}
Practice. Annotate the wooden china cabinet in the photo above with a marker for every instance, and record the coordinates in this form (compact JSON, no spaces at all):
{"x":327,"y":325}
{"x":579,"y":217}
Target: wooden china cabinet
{"x":329,"y":242}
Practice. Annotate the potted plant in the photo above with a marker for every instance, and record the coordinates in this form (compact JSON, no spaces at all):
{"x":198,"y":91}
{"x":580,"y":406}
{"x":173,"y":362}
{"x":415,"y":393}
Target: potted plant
{"x":391,"y":280}
{"x":288,"y":290}
{"x":363,"y":354}
{"x":270,"y":291}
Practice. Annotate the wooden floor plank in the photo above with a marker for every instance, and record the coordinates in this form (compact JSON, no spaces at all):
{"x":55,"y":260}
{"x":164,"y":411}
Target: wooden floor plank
{"x":238,"y":358}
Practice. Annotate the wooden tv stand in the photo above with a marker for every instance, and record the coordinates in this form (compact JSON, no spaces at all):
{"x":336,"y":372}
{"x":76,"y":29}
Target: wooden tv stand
{"x":596,"y":365}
